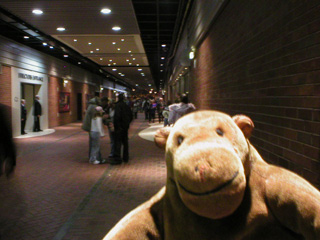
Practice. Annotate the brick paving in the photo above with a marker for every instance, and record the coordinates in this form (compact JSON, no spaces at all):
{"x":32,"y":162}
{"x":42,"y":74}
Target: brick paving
{"x":56,"y":194}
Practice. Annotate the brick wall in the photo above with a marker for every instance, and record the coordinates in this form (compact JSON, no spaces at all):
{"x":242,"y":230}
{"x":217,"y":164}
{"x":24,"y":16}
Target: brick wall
{"x":56,"y":85}
{"x":262,"y":59}
{"x":5,"y":89}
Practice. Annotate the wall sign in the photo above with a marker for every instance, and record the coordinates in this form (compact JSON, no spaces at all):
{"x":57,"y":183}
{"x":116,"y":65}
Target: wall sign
{"x":30,"y":77}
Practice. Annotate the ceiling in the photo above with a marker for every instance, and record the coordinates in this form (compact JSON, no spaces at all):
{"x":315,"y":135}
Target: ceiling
{"x":136,"y":55}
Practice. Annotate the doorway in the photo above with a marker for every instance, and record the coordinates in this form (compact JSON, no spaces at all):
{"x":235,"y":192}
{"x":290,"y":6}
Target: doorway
{"x":28,"y":92}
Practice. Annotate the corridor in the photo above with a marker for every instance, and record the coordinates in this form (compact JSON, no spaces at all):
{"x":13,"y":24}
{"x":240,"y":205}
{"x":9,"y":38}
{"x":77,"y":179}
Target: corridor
{"x":55,"y":193}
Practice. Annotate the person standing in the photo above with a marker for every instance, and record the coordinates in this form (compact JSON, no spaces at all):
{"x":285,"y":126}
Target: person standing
{"x":121,"y":122}
{"x":37,"y":112}
{"x":96,"y":132}
{"x":177,"y":110}
{"x":23,"y":116}
{"x":87,"y":125}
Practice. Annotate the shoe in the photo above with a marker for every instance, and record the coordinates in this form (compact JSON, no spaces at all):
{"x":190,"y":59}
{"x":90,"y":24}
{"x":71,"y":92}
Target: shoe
{"x":95,"y":162}
{"x":40,"y":130}
{"x":114,"y":161}
{"x":125,"y":160}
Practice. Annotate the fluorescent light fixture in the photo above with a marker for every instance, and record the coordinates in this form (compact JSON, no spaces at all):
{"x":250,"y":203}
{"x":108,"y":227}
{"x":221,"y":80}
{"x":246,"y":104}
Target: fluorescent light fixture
{"x":116,"y":28}
{"x":26,"y":37}
{"x":37,"y":11}
{"x":105,"y":11}
{"x":61,"y":29}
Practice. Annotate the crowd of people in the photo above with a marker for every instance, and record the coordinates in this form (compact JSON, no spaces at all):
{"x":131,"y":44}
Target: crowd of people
{"x":117,"y":116}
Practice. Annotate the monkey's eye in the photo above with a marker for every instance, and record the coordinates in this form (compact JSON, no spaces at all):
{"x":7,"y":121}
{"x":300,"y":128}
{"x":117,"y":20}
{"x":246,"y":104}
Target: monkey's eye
{"x":180,"y":140}
{"x":219,"y":132}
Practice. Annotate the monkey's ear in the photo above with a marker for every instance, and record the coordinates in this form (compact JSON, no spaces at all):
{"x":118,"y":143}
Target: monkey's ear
{"x":245,"y":124}
{"x":161,"y":136}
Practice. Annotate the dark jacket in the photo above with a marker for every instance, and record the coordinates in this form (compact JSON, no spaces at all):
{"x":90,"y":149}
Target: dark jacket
{"x":23,"y":112}
{"x":122,"y":115}
{"x":37,"y":108}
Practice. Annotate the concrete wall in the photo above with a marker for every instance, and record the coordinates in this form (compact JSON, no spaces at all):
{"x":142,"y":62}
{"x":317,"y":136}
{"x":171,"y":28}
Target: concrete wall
{"x":262,"y":59}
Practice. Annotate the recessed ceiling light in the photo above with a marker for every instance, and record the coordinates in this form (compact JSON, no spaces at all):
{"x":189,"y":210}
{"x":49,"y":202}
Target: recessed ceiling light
{"x":26,"y":37}
{"x":161,"y":70}
{"x":65,"y":55}
{"x":110,"y":60}
{"x":163,"y":45}
{"x":44,"y":44}
{"x":109,"y":64}
{"x":114,"y":69}
{"x":133,"y":59}
{"x":101,"y":59}
{"x":75,"y":40}
{"x":79,"y":62}
{"x":97,"y":49}
{"x":127,"y":60}
{"x":162,"y":58}
{"x":89,"y":43}
{"x":114,"y":63}
{"x":119,"y":49}
{"x":129,"y":51}
{"x":37,"y":11}
{"x":91,"y":51}
{"x":51,"y":47}
{"x":61,"y":29}
{"x":113,"y":43}
{"x":130,"y":63}
{"x":122,"y":40}
{"x":105,"y":11}
{"x":140,"y":69}
{"x":137,"y":85}
{"x":116,"y":28}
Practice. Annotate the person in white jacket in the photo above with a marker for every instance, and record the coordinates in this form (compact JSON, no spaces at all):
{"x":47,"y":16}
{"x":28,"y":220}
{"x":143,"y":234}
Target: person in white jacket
{"x":177,"y":110}
{"x":96,"y":132}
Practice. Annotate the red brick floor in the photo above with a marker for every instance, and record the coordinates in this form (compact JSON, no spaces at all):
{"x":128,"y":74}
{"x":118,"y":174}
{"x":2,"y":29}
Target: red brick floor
{"x":56,"y":194}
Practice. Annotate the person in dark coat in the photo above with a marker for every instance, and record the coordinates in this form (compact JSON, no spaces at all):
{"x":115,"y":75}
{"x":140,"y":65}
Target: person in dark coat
{"x":7,"y":146}
{"x":23,"y":116}
{"x":121,"y":121}
{"x":37,"y":112}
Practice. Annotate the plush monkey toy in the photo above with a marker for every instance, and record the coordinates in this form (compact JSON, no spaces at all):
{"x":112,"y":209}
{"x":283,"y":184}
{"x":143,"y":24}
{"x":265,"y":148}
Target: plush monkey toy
{"x":218,"y":187}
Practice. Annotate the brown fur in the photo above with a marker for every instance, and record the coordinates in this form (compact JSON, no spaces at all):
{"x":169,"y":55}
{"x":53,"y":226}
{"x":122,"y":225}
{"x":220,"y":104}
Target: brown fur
{"x":218,"y":187}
